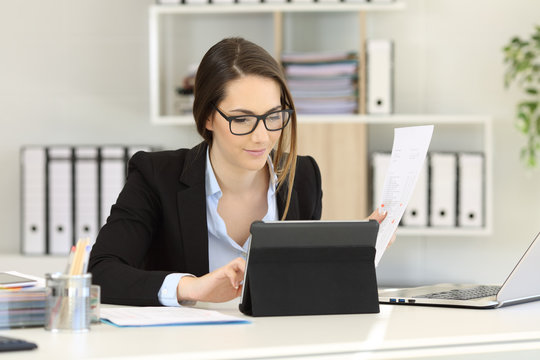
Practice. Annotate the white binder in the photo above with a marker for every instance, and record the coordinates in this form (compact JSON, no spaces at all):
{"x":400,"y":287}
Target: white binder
{"x":86,"y":193}
{"x":380,"y":163}
{"x":471,"y":189}
{"x":33,"y":186}
{"x":113,"y":174}
{"x":379,"y":57}
{"x":60,"y":227}
{"x":443,"y":189}
{"x":416,"y":213}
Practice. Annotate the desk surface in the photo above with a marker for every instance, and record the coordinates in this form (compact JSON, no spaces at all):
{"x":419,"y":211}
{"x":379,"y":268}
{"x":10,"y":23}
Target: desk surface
{"x":396,"y":332}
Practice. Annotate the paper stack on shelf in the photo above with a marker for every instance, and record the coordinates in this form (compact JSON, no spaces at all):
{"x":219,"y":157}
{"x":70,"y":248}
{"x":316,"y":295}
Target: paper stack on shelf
{"x":323,"y":82}
{"x":22,"y":306}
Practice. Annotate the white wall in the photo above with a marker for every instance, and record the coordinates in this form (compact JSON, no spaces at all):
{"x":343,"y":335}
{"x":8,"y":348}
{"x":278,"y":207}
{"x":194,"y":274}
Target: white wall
{"x":72,"y":72}
{"x":449,"y":60}
{"x":76,"y":71}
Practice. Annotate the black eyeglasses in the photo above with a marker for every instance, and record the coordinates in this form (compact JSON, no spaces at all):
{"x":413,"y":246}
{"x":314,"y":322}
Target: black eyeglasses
{"x":246,"y":124}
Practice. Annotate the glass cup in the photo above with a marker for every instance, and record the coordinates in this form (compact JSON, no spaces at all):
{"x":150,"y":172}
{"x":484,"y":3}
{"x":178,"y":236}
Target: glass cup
{"x":68,"y":302}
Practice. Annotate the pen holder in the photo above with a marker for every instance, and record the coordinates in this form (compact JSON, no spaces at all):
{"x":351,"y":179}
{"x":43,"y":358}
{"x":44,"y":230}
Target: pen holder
{"x":68,"y":302}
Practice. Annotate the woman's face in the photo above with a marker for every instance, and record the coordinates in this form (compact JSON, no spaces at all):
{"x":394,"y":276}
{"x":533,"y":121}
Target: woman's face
{"x":248,"y":95}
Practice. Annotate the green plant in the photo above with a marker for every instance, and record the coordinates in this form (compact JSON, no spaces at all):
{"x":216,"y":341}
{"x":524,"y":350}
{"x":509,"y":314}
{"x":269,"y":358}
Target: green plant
{"x":523,"y":60}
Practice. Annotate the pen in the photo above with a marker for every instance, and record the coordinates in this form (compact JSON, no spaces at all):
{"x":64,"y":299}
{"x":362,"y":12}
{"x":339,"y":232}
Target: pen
{"x":85,"y":259}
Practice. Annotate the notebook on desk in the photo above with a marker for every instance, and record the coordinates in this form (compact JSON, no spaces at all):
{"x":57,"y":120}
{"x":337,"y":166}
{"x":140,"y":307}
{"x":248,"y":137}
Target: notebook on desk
{"x":522,"y":285}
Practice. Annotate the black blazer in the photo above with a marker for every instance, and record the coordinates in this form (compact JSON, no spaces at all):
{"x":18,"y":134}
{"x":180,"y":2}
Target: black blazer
{"x":158,"y":225}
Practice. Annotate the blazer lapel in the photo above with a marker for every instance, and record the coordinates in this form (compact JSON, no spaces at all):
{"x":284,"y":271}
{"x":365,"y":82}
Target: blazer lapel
{"x":191,"y":203}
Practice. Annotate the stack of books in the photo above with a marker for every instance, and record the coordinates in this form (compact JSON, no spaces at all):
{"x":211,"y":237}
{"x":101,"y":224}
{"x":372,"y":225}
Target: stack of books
{"x":323,"y":82}
{"x":23,"y":304}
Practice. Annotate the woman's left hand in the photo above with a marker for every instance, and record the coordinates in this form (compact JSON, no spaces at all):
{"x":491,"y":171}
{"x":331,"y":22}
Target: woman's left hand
{"x":379,"y":215}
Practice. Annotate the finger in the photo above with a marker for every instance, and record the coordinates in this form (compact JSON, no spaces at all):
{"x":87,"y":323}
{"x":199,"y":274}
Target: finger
{"x":392,"y":239}
{"x":234,"y":275}
{"x":379,"y":215}
{"x":239,"y":264}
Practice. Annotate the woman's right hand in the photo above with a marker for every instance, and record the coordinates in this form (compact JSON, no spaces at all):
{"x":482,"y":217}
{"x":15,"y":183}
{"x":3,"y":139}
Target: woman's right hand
{"x":220,"y":285}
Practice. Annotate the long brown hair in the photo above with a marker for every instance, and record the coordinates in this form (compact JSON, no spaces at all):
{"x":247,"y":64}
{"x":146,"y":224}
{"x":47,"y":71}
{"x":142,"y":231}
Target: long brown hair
{"x":228,"y":60}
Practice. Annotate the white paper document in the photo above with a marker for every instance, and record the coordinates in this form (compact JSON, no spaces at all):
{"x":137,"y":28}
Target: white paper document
{"x":408,"y":155}
{"x":164,"y":316}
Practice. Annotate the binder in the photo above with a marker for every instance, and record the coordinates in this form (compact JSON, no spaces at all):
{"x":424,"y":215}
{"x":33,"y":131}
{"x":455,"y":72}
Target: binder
{"x":60,"y":210}
{"x":443,"y":197}
{"x":379,"y":60}
{"x":471,"y":189}
{"x":86,"y":193}
{"x":33,"y":193}
{"x":416,"y":213}
{"x":112,"y":178}
{"x":380,"y":162}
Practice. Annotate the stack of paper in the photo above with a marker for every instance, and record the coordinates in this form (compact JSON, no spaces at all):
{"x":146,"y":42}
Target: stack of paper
{"x":322,"y":83}
{"x":165,"y":316}
{"x":22,"y":306}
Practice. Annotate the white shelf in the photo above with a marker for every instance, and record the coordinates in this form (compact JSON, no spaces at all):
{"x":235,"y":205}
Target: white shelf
{"x":158,"y":14}
{"x":440,"y":232}
{"x":362,"y":119}
{"x":270,"y":8}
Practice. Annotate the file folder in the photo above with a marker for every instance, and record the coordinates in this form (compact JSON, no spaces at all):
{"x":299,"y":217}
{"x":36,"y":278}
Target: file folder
{"x":416,"y":213}
{"x":380,"y":162}
{"x":379,"y":60}
{"x":113,"y":174}
{"x":33,"y":193}
{"x":86,"y":193}
{"x":443,"y":189}
{"x":471,"y":190}
{"x":60,"y":210}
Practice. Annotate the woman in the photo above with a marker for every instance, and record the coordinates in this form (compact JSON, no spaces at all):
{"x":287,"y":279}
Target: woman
{"x":180,"y":228}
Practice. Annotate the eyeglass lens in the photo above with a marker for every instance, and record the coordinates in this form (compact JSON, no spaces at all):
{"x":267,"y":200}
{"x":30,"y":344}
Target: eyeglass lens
{"x":246,"y":124}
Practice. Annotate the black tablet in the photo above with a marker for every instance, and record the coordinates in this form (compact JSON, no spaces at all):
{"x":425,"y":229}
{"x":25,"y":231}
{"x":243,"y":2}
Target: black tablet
{"x":311,"y":268}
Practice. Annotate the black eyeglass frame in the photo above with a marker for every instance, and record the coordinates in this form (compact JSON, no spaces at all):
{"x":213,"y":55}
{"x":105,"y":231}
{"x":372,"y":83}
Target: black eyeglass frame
{"x":259,"y":118}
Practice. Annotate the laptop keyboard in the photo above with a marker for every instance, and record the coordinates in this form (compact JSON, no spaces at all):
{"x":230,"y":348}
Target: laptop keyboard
{"x":463,"y":294}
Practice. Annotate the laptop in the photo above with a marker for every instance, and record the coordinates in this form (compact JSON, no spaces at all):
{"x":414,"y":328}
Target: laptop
{"x":522,"y":285}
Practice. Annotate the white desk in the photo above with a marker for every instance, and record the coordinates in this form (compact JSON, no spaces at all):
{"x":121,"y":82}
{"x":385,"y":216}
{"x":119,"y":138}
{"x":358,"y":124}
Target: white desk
{"x":397,"y":332}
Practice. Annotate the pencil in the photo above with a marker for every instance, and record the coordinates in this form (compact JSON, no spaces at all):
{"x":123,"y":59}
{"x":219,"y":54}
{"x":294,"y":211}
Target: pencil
{"x":70,"y":260}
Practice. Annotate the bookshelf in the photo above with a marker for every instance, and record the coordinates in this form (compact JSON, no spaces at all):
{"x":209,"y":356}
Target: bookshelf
{"x":326,"y":137}
{"x":159,"y":15}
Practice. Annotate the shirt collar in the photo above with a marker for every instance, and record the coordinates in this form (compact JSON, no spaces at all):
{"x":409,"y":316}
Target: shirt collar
{"x":212,"y":186}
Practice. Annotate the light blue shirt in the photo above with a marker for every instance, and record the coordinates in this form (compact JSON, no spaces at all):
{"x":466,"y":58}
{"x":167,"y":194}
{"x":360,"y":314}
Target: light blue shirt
{"x":222,"y":249}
